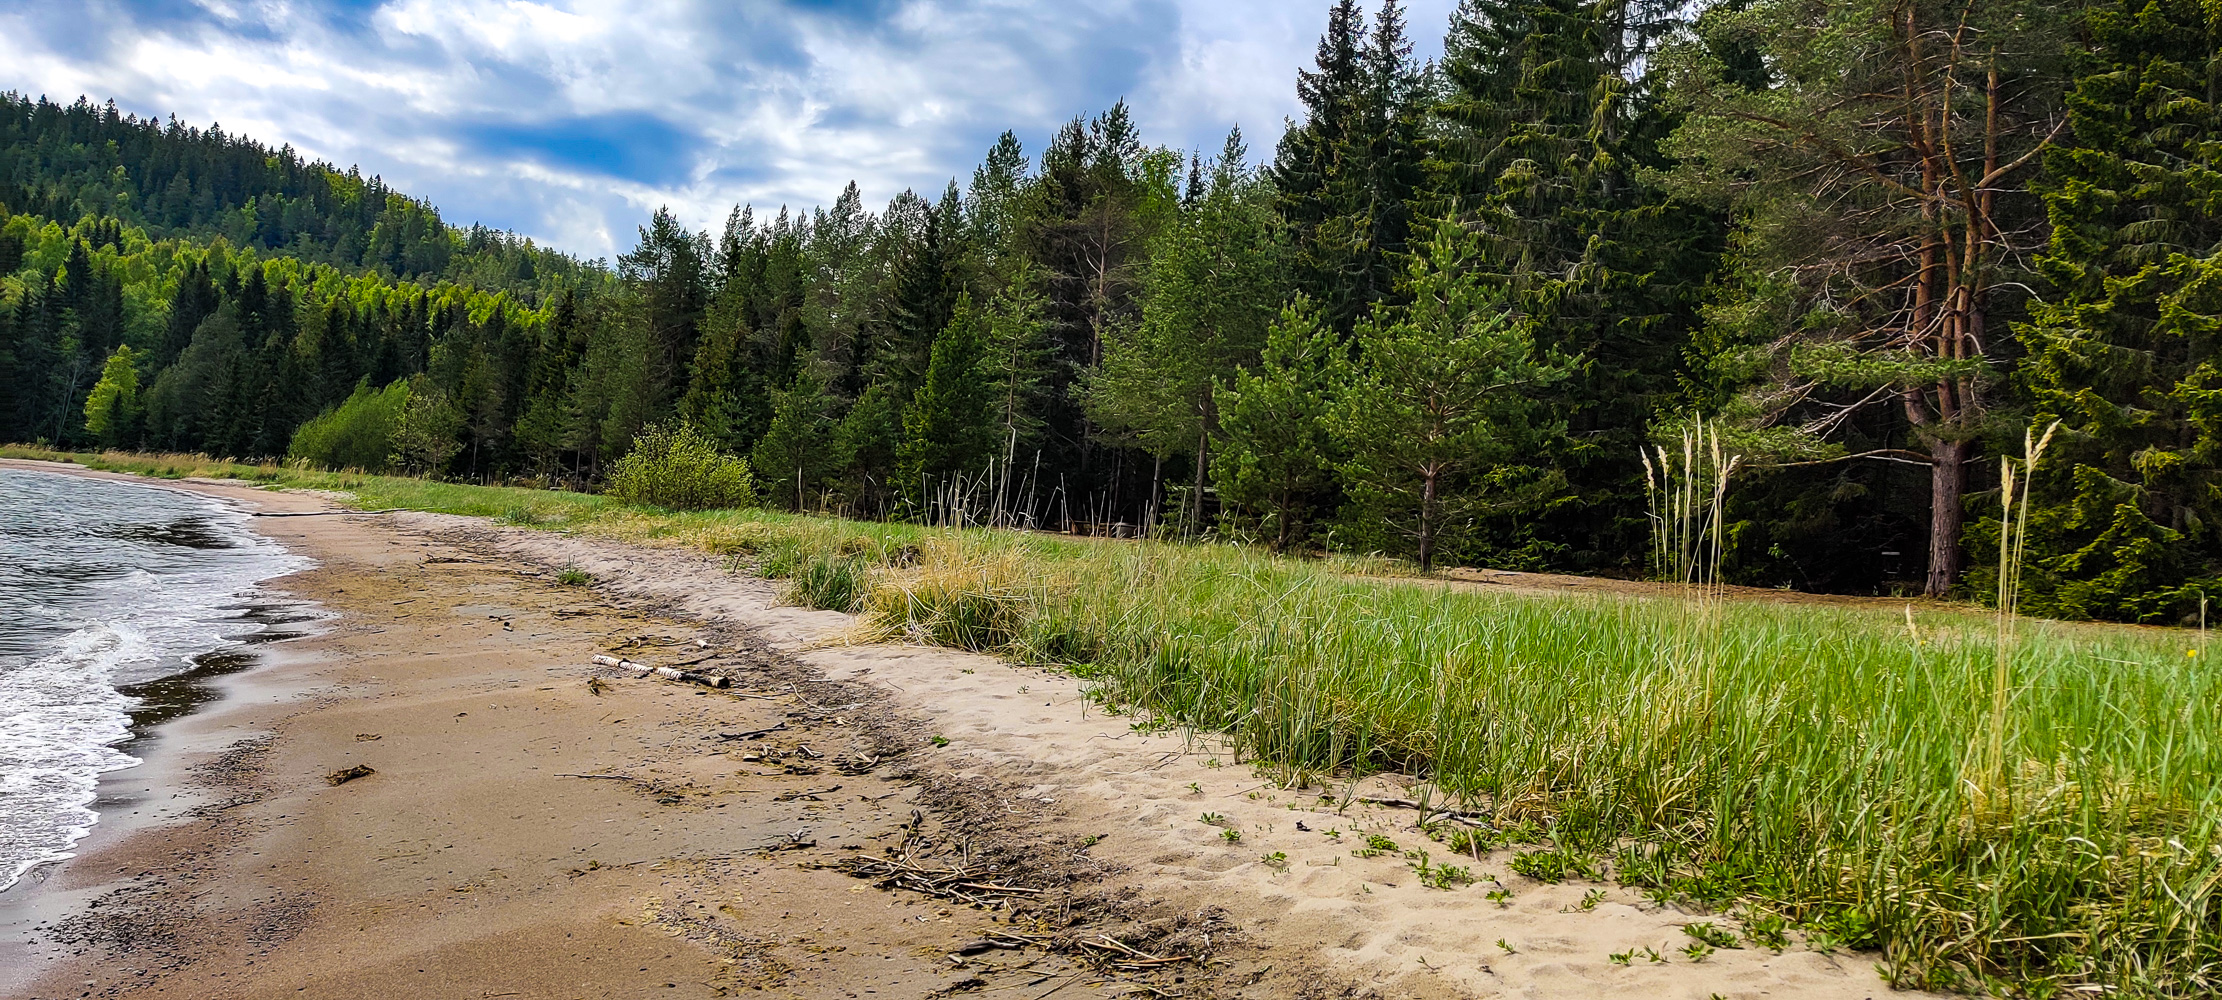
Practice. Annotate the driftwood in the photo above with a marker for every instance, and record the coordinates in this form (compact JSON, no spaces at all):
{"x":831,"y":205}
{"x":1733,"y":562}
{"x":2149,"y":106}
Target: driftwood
{"x":963,"y":882}
{"x":347,"y":774}
{"x":668,"y":673}
{"x":325,"y":513}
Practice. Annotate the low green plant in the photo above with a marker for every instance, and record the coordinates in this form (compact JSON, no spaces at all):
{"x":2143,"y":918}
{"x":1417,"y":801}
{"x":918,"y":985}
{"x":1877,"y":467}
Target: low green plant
{"x":1706,"y":933}
{"x":1440,"y":876}
{"x":1231,"y":836}
{"x":1768,"y":930}
{"x":1278,"y":861}
{"x":1556,"y":865}
{"x":572,"y":576}
{"x":1376,"y":846}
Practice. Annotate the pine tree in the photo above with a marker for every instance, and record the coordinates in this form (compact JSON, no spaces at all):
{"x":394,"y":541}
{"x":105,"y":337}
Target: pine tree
{"x":1276,"y":452}
{"x":1880,"y":222}
{"x":2127,"y":524}
{"x":1216,"y":277}
{"x":1446,"y":388}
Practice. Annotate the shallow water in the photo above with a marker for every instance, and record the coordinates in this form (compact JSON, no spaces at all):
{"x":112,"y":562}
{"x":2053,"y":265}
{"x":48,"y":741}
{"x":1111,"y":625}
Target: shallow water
{"x":114,"y":600}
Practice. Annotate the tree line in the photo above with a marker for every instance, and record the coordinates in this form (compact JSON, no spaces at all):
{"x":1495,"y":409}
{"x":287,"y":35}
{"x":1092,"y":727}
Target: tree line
{"x":1873,"y":241}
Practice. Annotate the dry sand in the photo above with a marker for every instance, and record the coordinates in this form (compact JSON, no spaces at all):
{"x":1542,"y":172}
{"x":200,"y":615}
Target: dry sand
{"x":474,"y":863}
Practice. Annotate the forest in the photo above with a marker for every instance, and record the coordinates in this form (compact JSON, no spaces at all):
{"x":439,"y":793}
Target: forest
{"x":1440,"y":318}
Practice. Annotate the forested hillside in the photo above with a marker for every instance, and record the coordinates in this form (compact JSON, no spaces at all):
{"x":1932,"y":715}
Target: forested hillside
{"x":1438,"y":318}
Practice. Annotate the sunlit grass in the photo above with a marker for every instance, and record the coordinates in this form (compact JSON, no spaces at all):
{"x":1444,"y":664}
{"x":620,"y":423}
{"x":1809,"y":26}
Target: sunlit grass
{"x":1813,"y":774}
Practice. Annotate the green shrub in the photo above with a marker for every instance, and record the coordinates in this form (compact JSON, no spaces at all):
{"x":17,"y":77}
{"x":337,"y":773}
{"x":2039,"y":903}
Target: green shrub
{"x":677,"y":468}
{"x":358,"y":434}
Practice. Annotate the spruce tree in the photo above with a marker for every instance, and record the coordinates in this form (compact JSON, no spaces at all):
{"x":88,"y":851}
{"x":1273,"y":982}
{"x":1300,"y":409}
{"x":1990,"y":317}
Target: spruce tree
{"x":948,"y":426}
{"x":791,"y":456}
{"x":1544,"y":130}
{"x":2127,"y":522}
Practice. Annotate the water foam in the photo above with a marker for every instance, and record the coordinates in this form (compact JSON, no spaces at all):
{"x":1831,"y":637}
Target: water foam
{"x":101,"y":585}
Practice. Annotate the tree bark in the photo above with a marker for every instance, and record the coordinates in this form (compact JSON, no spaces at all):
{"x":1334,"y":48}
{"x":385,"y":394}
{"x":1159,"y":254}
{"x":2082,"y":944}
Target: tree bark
{"x":1427,"y":522}
{"x":1947,"y":487}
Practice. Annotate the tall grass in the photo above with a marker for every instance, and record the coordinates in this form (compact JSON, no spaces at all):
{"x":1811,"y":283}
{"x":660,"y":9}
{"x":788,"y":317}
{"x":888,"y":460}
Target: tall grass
{"x":1832,"y":765}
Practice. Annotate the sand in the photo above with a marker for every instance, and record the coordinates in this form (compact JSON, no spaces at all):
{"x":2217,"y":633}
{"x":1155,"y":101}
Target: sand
{"x":476,"y":862}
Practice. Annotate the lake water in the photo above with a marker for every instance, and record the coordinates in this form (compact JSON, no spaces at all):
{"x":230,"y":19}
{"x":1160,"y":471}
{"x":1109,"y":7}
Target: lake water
{"x":113,"y":598}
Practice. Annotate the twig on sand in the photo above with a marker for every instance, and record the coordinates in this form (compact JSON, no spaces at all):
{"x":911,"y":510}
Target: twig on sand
{"x":753,"y":733}
{"x":1467,"y":816}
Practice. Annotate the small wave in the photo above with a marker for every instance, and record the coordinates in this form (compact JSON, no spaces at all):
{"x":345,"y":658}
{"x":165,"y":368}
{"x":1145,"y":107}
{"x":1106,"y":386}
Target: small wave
{"x":103,"y":585}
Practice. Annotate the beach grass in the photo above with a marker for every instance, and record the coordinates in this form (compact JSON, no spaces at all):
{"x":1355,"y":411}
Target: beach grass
{"x":1833,"y":769}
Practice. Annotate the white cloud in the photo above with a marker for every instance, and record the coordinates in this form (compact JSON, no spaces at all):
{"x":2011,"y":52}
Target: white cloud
{"x":568,"y":122}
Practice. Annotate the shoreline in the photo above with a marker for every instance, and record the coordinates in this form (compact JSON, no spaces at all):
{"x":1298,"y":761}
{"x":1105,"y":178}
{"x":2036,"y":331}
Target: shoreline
{"x":181,"y":718}
{"x":721,"y":853}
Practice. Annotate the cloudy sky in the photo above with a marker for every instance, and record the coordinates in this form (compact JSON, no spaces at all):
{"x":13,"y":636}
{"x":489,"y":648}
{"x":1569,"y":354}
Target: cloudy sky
{"x":570,"y":120}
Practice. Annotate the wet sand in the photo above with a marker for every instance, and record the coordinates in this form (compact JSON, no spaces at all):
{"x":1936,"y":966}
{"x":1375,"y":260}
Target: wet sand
{"x":537,"y":826}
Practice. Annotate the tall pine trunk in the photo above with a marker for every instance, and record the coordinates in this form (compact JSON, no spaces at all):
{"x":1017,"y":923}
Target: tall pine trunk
{"x":1947,"y":489}
{"x":1427,"y":520}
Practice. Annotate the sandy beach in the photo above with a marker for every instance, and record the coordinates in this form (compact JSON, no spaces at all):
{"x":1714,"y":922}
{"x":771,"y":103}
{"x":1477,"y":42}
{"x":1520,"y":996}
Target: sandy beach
{"x":843,"y":820}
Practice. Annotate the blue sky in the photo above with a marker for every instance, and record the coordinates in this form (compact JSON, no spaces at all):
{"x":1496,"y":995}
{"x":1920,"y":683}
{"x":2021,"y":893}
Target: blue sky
{"x":571,"y":121}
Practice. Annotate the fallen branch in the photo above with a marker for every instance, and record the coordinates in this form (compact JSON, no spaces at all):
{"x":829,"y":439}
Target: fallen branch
{"x":325,"y":513}
{"x":812,"y":794}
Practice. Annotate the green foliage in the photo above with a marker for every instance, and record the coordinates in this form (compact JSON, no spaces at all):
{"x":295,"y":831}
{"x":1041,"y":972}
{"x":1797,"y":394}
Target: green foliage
{"x":792,"y":451}
{"x":2126,"y":526}
{"x":1446,"y":389}
{"x":112,"y":409}
{"x":1276,"y":449}
{"x":357,"y":434}
{"x":678,"y":468}
{"x":948,"y":426}
{"x":425,"y":436}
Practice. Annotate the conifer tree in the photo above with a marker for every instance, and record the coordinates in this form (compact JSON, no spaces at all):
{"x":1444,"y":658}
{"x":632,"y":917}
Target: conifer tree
{"x":1276,"y":451}
{"x":1215,"y":279}
{"x":1446,"y":388}
{"x":2128,"y":524}
{"x":1876,"y":181}
{"x":791,"y":455}
{"x":1348,"y":173}
{"x":1545,"y":125}
{"x":948,"y":426}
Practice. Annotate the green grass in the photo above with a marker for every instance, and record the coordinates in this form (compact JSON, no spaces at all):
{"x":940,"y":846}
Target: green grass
{"x":1823,"y":765}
